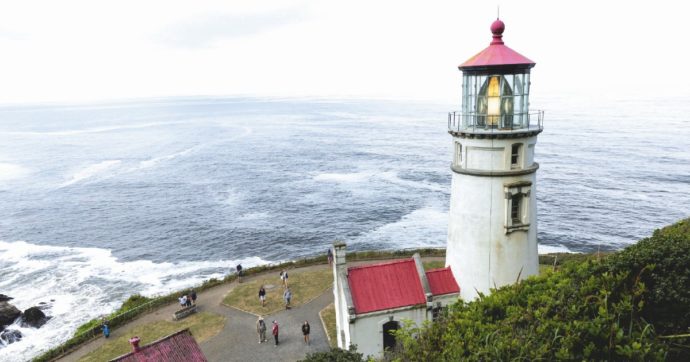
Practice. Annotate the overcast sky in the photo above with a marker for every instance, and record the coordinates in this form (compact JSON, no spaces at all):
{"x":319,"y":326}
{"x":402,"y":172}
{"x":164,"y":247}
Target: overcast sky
{"x":54,"y":51}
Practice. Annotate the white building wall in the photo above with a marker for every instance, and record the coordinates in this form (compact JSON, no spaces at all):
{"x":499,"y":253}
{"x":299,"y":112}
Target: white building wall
{"x":480,"y":251}
{"x":367,"y":330}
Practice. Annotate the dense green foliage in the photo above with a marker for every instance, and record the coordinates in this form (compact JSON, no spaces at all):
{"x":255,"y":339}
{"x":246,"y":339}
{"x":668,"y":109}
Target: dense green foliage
{"x":335,"y":355}
{"x":631,"y":305}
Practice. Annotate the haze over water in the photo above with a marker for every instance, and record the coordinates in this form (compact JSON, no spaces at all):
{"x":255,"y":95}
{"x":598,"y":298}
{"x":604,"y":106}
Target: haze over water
{"x":101,"y":201}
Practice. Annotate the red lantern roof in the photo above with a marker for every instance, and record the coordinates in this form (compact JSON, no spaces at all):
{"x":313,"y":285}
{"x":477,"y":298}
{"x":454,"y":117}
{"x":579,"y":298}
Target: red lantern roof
{"x":497,"y":54}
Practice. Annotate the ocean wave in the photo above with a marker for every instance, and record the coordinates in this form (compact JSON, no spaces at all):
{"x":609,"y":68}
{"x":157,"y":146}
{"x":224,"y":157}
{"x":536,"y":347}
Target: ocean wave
{"x":79,"y":284}
{"x":424,"y":227}
{"x":11,"y":171}
{"x":76,"y":132}
{"x":91,"y":171}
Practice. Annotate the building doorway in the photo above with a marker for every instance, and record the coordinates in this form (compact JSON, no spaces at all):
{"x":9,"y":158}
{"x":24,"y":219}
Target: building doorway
{"x":388,"y":337}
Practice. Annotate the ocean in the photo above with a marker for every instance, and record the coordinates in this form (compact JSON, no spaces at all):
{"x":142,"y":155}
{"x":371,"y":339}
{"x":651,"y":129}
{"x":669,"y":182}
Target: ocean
{"x":101,"y":201}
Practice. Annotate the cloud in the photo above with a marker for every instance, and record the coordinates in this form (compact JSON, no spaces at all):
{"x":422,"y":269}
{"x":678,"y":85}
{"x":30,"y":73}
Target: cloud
{"x":207,"y":30}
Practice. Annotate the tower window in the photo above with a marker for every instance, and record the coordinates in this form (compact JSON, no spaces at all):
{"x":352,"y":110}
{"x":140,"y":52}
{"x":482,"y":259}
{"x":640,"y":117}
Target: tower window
{"x":458,"y":153}
{"x":517,"y":203}
{"x":515,"y":155}
{"x":515,"y":214}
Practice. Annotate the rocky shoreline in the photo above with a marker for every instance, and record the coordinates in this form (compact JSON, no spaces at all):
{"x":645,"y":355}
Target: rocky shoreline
{"x":9,"y":314}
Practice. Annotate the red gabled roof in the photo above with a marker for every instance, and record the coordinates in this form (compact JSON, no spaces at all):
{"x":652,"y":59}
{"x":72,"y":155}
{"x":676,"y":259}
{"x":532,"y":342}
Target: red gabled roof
{"x":497,"y":54}
{"x":177,"y":347}
{"x":442,"y":281}
{"x":385,"y":286}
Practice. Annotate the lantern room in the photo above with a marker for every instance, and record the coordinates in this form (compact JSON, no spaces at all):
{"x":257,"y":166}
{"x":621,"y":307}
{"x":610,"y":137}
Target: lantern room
{"x":495,"y":90}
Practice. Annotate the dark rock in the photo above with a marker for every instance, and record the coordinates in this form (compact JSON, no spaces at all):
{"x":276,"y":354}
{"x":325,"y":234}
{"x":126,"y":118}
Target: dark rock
{"x":42,"y":303}
{"x":10,"y":336}
{"x":4,"y":298}
{"x":8,"y":313}
{"x":34,"y":317}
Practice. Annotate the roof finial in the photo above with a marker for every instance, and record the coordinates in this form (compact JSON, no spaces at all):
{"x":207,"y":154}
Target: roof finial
{"x":498,"y":12}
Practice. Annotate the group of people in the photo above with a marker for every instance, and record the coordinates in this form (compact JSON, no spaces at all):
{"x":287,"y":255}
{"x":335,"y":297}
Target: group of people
{"x":188,"y":300}
{"x":287,"y":293}
{"x":275,"y":330}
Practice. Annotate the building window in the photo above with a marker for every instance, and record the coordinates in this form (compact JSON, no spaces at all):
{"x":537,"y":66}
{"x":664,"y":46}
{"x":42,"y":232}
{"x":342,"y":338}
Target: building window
{"x":515,"y":155}
{"x":458,"y":154}
{"x":515,"y":214}
{"x":517,"y":198}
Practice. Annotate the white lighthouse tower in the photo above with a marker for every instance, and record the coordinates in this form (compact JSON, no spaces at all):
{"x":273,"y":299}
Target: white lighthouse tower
{"x":492,"y":228}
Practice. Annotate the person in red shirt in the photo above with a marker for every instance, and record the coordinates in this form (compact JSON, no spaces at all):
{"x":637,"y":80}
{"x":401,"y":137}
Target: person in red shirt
{"x":275,"y":332}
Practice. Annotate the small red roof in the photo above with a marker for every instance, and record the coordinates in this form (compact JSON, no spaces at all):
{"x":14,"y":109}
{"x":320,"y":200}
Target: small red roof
{"x":385,"y":286}
{"x":497,"y":54}
{"x":177,"y":347}
{"x":442,"y":281}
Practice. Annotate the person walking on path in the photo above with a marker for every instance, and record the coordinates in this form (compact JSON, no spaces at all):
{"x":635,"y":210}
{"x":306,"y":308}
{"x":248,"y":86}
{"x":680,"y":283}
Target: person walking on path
{"x":284,"y":278}
{"x":275,"y":332}
{"x":262,"y":296}
{"x":330,"y":256}
{"x":192,"y":294}
{"x":183,"y":300}
{"x":287,"y":295}
{"x":305,"y":331}
{"x":261,"y":329}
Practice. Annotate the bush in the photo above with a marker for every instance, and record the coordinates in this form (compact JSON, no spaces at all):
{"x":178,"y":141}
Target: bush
{"x":335,"y":355}
{"x":613,"y":308}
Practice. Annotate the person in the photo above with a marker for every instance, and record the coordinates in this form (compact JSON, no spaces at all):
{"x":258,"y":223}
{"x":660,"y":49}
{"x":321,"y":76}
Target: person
{"x":239,"y":273}
{"x":187,"y":301}
{"x":284,"y":278}
{"x":305,"y":331}
{"x":193,"y":295}
{"x":261,"y":329}
{"x":262,"y":296}
{"x":330,"y":256}
{"x":106,"y":329}
{"x":287,"y":295}
{"x":275,"y":332}
{"x":183,"y":300}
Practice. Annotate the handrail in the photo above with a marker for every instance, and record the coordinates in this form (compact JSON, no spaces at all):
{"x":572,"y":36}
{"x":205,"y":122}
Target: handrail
{"x":483,"y":123}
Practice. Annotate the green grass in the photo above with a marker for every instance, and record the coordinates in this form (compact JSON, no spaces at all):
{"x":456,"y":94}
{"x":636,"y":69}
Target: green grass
{"x":434,"y":264}
{"x":328,"y":317}
{"x":305,"y":286}
{"x":202,"y":325}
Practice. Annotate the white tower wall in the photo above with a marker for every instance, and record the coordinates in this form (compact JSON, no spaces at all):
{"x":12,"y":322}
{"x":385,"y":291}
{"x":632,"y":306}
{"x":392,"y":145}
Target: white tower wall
{"x":486,"y":247}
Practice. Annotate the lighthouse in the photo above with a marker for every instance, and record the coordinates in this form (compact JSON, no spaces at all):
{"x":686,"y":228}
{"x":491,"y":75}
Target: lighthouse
{"x":492,"y":227}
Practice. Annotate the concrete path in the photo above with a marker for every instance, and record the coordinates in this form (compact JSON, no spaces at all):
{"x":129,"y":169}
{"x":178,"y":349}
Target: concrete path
{"x":239,"y":341}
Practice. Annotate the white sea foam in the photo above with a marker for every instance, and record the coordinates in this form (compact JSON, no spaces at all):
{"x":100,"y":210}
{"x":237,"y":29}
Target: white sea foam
{"x":546,"y":249}
{"x":424,"y":227}
{"x":10,"y":171}
{"x":344,"y":177}
{"x":388,"y":177}
{"x":156,"y":160}
{"x":86,"y":283}
{"x":253,"y":216}
{"x":91,"y":171}
{"x":76,"y":132}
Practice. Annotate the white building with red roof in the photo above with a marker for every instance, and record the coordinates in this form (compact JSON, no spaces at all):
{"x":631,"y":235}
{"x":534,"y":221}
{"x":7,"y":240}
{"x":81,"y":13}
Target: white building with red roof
{"x":372,"y":300}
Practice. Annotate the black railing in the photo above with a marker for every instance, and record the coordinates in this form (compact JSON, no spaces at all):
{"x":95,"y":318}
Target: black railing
{"x":483,"y":123}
